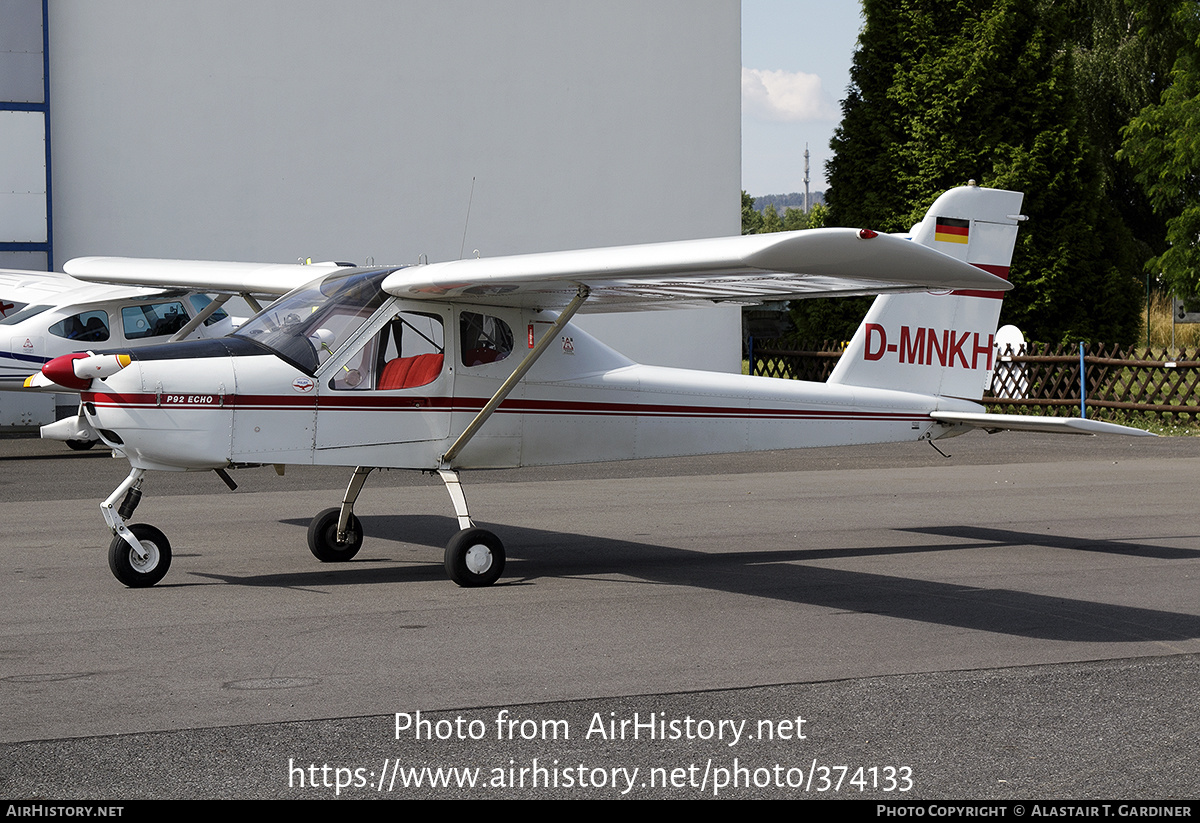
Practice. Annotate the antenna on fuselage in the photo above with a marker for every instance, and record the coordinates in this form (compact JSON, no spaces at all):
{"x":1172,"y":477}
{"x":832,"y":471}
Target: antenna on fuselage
{"x":467,"y":222}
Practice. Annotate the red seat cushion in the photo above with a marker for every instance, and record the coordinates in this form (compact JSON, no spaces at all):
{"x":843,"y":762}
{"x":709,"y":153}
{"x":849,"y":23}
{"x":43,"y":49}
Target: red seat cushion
{"x":410,"y":372}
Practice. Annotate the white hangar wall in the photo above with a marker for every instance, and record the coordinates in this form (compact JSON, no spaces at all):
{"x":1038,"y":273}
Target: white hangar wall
{"x":271,"y":130}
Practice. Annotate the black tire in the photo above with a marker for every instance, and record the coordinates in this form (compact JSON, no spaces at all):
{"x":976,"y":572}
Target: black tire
{"x":81,"y":445}
{"x":322,"y":537}
{"x":474,"y":557}
{"x":135,"y":573}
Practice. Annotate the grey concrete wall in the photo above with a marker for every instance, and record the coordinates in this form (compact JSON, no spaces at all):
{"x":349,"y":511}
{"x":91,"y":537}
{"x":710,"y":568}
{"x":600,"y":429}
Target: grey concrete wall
{"x":268,"y":130}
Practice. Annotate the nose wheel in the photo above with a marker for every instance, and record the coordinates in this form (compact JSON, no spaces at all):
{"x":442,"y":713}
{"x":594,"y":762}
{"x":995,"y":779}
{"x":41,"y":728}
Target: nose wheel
{"x":139,"y":572}
{"x":139,"y":555}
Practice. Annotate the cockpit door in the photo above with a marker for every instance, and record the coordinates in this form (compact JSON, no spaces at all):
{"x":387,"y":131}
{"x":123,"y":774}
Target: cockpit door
{"x":392,"y":386}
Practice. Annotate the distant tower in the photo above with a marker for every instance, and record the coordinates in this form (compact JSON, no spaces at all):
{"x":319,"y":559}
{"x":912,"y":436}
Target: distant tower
{"x":806,"y":178}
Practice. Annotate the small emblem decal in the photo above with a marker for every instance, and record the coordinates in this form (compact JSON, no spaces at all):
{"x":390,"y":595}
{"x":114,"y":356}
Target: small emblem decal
{"x":568,"y":345}
{"x":303,"y":384}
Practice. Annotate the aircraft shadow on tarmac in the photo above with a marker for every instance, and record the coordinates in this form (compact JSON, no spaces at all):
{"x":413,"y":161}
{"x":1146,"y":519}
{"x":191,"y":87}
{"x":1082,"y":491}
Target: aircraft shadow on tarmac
{"x":781,"y":574}
{"x":1005,"y":537}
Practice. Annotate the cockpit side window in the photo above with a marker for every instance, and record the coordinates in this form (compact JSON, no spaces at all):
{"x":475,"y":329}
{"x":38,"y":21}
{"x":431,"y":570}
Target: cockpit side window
{"x":86,"y":327}
{"x":408,"y":352}
{"x":483,"y":339}
{"x":152,"y":319}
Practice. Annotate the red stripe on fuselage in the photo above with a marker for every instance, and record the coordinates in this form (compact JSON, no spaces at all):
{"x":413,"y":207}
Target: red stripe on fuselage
{"x":375,"y":403}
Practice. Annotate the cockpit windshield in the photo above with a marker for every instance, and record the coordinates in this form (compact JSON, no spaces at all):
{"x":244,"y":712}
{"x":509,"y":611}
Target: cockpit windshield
{"x":306,"y":326}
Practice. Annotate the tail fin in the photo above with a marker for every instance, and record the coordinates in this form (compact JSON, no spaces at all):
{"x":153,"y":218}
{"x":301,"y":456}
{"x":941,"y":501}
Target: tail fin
{"x":940,"y":344}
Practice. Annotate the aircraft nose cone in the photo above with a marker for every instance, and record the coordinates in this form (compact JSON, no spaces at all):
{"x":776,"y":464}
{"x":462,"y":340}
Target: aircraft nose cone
{"x":76,"y":371}
{"x":61,"y":370}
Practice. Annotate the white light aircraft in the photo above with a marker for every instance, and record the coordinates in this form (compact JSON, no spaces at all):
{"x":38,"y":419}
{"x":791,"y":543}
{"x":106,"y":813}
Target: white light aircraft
{"x":44,"y":315}
{"x":476,"y":364}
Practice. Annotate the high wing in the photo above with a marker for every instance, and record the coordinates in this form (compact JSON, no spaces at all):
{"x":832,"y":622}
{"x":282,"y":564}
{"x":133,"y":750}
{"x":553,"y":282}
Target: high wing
{"x":200,"y":275}
{"x":747,"y":269}
{"x":22,"y":287}
{"x":1033,"y":423}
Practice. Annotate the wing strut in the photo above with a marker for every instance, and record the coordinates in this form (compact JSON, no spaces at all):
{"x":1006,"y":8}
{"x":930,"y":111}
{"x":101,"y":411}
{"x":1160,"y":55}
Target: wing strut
{"x":203,"y":315}
{"x":251,"y":302}
{"x":450,"y":476}
{"x":508,"y":385}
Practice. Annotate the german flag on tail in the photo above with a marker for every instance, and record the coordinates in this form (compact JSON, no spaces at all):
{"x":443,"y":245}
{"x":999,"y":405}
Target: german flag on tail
{"x":951,"y":230}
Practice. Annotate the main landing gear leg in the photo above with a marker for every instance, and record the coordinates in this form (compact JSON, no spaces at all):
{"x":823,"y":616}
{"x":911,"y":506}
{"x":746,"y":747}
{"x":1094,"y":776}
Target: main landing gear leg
{"x":139,"y":555}
{"x":335,"y":535}
{"x":474,"y":556}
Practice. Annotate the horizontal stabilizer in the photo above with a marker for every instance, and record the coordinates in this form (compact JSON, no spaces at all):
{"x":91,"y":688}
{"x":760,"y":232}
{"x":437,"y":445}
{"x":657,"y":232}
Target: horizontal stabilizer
{"x":1033,"y":423}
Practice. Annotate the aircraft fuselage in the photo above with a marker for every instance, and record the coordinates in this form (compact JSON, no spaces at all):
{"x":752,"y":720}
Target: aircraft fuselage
{"x":213,"y":404}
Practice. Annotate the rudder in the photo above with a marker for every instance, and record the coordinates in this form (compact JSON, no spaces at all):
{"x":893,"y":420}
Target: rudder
{"x":940,"y":343}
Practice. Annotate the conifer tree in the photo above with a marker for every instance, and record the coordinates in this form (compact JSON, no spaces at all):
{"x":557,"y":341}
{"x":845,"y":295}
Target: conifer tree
{"x":944,"y":92}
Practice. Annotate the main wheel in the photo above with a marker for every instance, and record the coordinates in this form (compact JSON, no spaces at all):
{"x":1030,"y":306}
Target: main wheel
{"x":322,"y":537}
{"x":474,"y":557}
{"x":132,"y":570}
{"x":81,"y":445}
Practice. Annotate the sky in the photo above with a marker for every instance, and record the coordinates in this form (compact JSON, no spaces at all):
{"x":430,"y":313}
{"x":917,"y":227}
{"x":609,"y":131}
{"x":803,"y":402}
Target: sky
{"x":796,"y":57}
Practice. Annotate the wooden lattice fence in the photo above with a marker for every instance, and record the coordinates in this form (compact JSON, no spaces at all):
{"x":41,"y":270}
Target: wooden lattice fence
{"x":1043,"y":379}
{"x":1155,"y":382}
{"x":780,"y":357}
